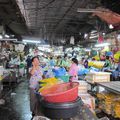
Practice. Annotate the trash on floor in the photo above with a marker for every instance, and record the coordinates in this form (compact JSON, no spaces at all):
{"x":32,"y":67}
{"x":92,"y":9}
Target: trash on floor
{"x":12,"y":94}
{"x":2,"y":101}
{"x":40,"y":118}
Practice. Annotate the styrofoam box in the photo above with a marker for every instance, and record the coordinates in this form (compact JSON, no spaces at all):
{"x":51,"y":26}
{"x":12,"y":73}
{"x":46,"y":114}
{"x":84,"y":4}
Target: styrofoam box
{"x":98,"y":77}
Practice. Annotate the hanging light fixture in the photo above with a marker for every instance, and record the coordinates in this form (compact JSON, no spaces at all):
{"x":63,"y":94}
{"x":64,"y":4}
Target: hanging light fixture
{"x":102,"y":44}
{"x":6,"y":39}
{"x":111,"y":26}
{"x":31,"y":41}
{"x":72,"y":40}
{"x":1,"y":36}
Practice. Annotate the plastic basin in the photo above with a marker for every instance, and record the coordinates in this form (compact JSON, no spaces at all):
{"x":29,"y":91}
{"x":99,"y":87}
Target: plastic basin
{"x":65,"y":92}
{"x":61,"y":110}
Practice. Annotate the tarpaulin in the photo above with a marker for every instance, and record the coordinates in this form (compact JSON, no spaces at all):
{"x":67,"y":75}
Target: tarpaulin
{"x":108,"y":16}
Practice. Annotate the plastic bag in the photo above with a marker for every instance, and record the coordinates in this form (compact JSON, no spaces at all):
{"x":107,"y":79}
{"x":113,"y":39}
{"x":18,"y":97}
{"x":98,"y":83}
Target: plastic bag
{"x":83,"y":71}
{"x":64,"y":78}
{"x":117,"y":56}
{"x":94,"y":69}
{"x":109,"y":53}
{"x":46,"y":83}
{"x":49,"y":74}
{"x":59,"y":72}
{"x":21,"y":65}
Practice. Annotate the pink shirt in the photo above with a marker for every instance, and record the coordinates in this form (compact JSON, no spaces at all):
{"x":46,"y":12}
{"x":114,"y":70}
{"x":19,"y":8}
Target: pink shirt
{"x":74,"y":71}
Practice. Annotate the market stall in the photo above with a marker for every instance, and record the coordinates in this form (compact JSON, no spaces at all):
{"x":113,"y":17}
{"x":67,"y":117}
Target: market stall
{"x":110,"y":99}
{"x":111,"y":86}
{"x":61,"y":101}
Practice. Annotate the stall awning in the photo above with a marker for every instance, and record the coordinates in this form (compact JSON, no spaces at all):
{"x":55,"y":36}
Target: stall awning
{"x":108,"y":16}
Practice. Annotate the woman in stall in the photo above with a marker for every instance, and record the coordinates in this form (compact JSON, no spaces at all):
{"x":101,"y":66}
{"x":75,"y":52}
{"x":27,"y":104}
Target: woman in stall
{"x":107,"y":65}
{"x":116,"y":72}
{"x":73,"y":71}
{"x":59,"y":61}
{"x":36,"y":76}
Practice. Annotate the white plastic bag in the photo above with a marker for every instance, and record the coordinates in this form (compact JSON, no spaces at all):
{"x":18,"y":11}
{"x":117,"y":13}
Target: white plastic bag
{"x":40,"y":118}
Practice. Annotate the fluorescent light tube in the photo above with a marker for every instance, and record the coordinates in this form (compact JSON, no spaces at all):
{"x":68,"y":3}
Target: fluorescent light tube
{"x":91,"y":37}
{"x":31,"y":41}
{"x":102,"y":45}
{"x":1,"y":36}
{"x":7,"y":36}
{"x":6,"y":39}
{"x":111,"y":26}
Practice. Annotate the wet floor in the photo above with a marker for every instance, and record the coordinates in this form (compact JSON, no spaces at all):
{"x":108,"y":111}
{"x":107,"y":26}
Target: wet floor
{"x":17,"y":106}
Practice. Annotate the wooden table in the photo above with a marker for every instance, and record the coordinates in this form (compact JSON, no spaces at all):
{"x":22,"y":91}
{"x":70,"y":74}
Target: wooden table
{"x":113,"y":86}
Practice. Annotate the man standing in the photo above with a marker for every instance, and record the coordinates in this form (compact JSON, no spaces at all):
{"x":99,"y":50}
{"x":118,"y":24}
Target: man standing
{"x":29,"y":64}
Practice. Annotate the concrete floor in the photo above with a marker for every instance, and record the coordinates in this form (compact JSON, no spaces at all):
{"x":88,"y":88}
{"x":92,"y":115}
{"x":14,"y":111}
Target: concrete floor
{"x":17,"y":104}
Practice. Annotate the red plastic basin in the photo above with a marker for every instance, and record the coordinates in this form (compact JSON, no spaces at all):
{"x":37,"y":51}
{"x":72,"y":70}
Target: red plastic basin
{"x":65,"y":92}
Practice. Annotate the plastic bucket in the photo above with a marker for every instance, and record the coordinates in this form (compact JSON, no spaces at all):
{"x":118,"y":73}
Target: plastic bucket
{"x":65,"y":92}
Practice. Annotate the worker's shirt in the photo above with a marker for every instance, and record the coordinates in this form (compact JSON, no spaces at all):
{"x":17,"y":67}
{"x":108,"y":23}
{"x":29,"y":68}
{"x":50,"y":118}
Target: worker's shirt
{"x":74,"y":72}
{"x":35,"y":78}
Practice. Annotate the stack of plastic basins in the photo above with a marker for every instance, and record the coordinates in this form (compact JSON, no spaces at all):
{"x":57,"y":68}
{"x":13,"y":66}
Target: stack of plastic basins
{"x":61,"y":101}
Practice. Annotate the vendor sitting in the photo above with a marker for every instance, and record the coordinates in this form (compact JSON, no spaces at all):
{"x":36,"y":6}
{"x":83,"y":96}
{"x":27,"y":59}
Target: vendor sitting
{"x":107,"y":65}
{"x":7,"y":64}
{"x":116,"y":73}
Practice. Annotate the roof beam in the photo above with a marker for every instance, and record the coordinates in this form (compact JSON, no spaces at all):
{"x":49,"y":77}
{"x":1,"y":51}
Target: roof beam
{"x":65,"y":13}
